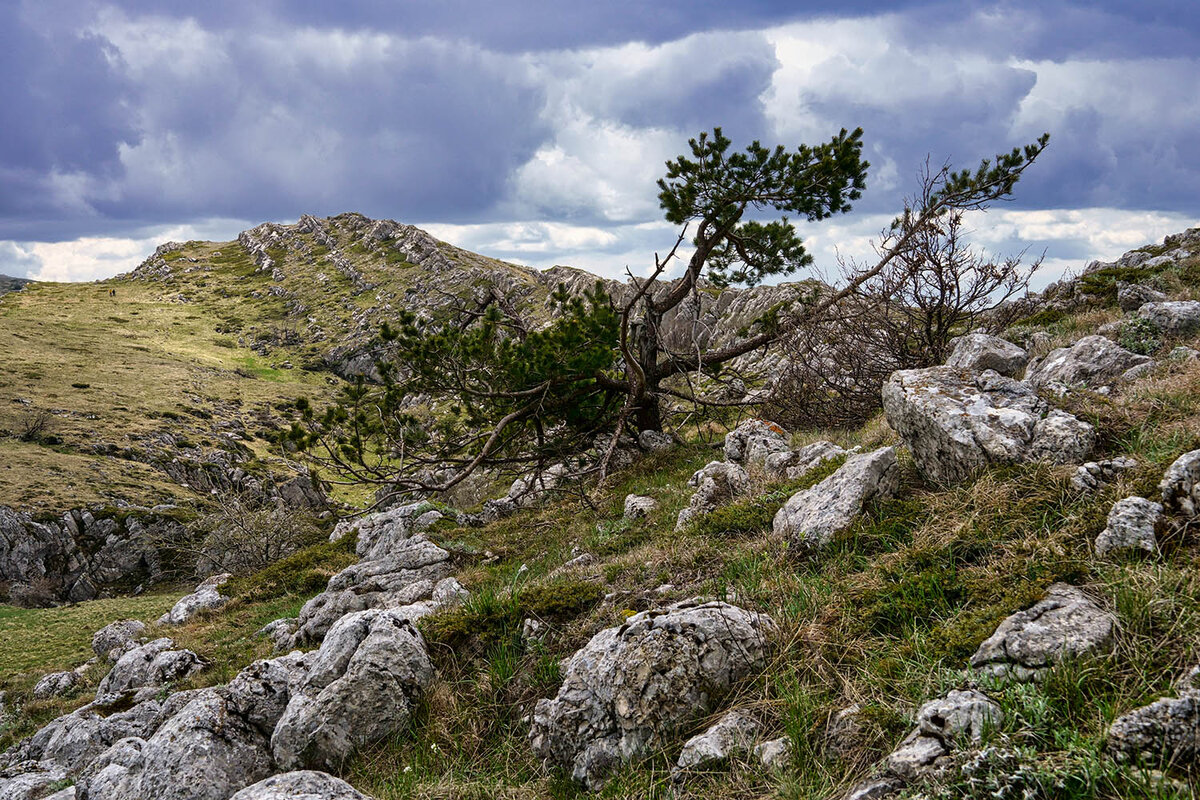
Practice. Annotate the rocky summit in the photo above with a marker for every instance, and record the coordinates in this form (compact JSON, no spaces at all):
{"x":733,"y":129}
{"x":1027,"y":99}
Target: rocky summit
{"x":985,"y":587}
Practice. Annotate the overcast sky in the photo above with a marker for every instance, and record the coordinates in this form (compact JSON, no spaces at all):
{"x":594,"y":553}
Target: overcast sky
{"x":534,"y":131}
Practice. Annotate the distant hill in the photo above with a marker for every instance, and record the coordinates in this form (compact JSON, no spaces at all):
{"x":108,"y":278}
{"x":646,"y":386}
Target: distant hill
{"x":11,"y":284}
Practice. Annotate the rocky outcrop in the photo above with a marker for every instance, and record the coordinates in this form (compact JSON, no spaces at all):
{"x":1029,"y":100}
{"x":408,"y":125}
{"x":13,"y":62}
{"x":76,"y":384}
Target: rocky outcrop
{"x":716,"y":484}
{"x":1092,"y":361}
{"x":957,"y":422}
{"x":117,"y":638}
{"x":960,"y":718}
{"x":1131,"y":527}
{"x":56,"y":684}
{"x":980,"y":351}
{"x":1092,"y":476}
{"x":300,"y":785}
{"x":1132,"y":296}
{"x":363,"y":685}
{"x":811,"y":518}
{"x":794,"y":464}
{"x":1172,"y":317}
{"x":633,"y":686}
{"x":153,"y":665}
{"x":1065,"y":624}
{"x":206,"y":596}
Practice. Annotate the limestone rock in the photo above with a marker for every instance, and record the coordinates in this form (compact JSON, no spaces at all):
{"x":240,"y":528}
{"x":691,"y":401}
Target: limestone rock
{"x":1180,"y":485}
{"x":961,"y":717}
{"x":753,"y":440}
{"x":637,"y":505}
{"x":733,"y":733}
{"x":301,"y":785}
{"x":1132,"y":296}
{"x":1163,"y":733}
{"x":979,"y":351}
{"x":634,"y":685}
{"x":717,"y":483}
{"x":56,"y":684}
{"x":153,"y":664}
{"x":117,"y":638}
{"x":1066,"y":623}
{"x":31,"y":784}
{"x":654,"y":441}
{"x":957,"y":422}
{"x":365,"y":681}
{"x":1131,"y":524}
{"x":206,"y":596}
{"x":1095,"y":475}
{"x":793,"y":464}
{"x":811,"y":518}
{"x":774,"y":754}
{"x":1173,"y":317}
{"x":406,"y":580}
{"x":1091,"y":361}
{"x":1183,"y":353}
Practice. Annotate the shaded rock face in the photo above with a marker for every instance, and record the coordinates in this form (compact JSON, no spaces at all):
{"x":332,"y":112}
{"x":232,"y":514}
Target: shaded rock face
{"x":717,"y":483}
{"x":1131,"y":527}
{"x":1165,"y":733}
{"x":957,"y":422}
{"x":1180,"y":485}
{"x":1091,"y":361}
{"x":365,"y":681}
{"x":1132,"y":296}
{"x":961,"y":717}
{"x":206,"y":596}
{"x":1172,"y":317}
{"x":811,"y":518}
{"x":1066,"y":623}
{"x":153,"y":664}
{"x":301,"y":785}
{"x":979,"y":351}
{"x":633,"y":686}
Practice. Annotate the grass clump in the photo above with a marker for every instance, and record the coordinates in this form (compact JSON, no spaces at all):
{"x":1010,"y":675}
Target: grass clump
{"x":304,"y":572}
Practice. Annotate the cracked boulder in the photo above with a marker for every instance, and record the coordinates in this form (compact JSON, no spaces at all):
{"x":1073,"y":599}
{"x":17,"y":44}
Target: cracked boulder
{"x":1172,"y":317}
{"x":1092,"y":361}
{"x":979,"y":351}
{"x":1180,"y":485}
{"x":117,"y":638}
{"x":1165,"y":733}
{"x":632,"y":687}
{"x":811,"y":518}
{"x":943,"y":725}
{"x":1131,"y":527}
{"x":957,"y":422}
{"x":1065,"y":624}
{"x":362,"y":687}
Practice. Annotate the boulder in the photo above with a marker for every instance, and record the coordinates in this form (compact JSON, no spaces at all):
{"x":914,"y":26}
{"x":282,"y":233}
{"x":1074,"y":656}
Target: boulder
{"x":957,"y":422}
{"x":637,"y":505}
{"x":206,"y":596}
{"x":1092,"y":361}
{"x":1092,"y":476}
{"x":961,"y":717}
{"x":1131,"y":524}
{"x":811,"y":518}
{"x":774,"y":754}
{"x":1183,"y":353}
{"x":381,"y":534}
{"x":733,"y":733}
{"x":56,"y":684}
{"x":753,"y":440}
{"x":30,"y":784}
{"x":413,"y":579}
{"x":1165,"y":733}
{"x":362,"y":687}
{"x":1132,"y":296}
{"x":717,"y":483}
{"x":1173,"y":317}
{"x":154,"y":664}
{"x":117,"y":638}
{"x":300,"y":785}
{"x":633,"y":686}
{"x":1180,"y":485}
{"x":1066,"y":623}
{"x":979,"y":351}
{"x":654,"y":441}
